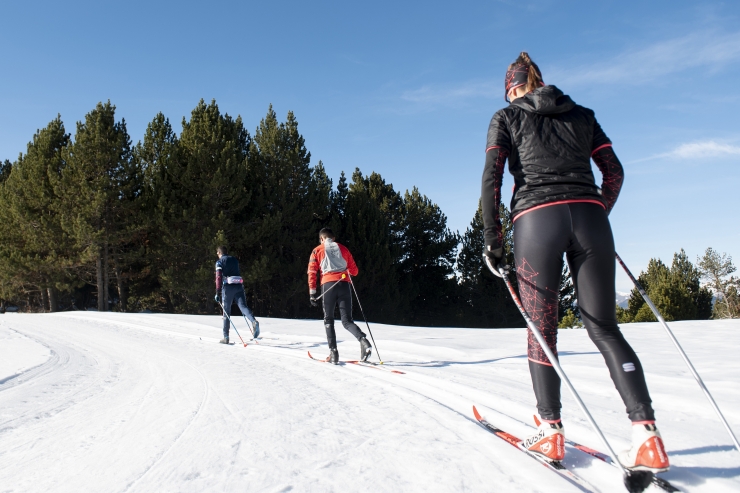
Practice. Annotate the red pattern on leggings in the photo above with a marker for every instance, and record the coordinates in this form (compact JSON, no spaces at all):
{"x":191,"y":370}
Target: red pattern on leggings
{"x":543,"y":314}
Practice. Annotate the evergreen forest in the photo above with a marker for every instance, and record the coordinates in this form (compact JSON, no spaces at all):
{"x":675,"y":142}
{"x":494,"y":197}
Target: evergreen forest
{"x":92,"y":221}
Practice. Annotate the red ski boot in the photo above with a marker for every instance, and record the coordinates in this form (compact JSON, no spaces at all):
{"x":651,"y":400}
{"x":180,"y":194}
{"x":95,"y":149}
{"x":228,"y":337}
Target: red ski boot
{"x":549,"y":441}
{"x":647,"y":452}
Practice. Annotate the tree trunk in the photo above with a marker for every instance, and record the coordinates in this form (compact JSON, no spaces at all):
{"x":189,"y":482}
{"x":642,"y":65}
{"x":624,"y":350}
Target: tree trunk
{"x":168,"y":300}
{"x":101,"y":290}
{"x":106,"y":278}
{"x":122,"y":298}
{"x":44,"y":300}
{"x":53,"y":299}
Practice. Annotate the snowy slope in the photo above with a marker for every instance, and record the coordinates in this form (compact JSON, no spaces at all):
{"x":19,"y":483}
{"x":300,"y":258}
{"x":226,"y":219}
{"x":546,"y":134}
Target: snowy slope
{"x":146,"y":402}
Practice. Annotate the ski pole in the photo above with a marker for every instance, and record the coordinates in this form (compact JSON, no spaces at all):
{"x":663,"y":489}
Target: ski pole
{"x":322,"y":294}
{"x":680,"y":350}
{"x":363,"y":316}
{"x":232,"y":323}
{"x":249,"y":326}
{"x":634,"y":481}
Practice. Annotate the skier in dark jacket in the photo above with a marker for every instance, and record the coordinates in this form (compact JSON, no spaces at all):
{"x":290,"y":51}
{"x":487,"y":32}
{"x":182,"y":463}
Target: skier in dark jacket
{"x":229,"y":290}
{"x":558,"y":209}
{"x":334,"y":263}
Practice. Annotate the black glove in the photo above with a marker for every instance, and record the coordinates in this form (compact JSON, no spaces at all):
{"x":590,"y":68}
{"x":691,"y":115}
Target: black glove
{"x":314,"y":301}
{"x":495,"y":259}
{"x":217,"y":298}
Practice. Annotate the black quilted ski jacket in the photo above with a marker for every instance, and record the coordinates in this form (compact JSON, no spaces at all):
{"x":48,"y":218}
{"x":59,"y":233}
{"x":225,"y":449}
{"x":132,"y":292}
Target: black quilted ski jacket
{"x":549,"y":141}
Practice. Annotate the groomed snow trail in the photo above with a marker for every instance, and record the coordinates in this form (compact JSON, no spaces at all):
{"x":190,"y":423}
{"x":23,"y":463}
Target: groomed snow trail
{"x":143,"y":402}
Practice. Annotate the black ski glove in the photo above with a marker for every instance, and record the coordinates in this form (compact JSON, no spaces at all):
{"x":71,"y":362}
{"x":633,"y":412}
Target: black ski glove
{"x":314,"y":301}
{"x":217,"y":298}
{"x":495,"y":259}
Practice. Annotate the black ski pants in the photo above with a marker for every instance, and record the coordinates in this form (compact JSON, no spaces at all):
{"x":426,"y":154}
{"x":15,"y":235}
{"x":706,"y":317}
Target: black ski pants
{"x":341,"y":295}
{"x":581,"y":231}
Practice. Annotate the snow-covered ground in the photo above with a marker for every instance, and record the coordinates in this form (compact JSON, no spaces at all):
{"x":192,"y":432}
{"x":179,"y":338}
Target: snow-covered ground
{"x":146,"y":402}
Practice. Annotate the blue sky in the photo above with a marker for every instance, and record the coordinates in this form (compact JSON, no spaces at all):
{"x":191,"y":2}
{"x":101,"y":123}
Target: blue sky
{"x":407,"y":89}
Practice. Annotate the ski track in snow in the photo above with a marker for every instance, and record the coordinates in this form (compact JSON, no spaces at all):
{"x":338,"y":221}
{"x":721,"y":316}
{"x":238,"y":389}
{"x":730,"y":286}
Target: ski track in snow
{"x":149,"y":402}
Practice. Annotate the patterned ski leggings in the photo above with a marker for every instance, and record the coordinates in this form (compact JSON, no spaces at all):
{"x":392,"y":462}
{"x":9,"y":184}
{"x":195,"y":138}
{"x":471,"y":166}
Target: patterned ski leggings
{"x":582,"y":232}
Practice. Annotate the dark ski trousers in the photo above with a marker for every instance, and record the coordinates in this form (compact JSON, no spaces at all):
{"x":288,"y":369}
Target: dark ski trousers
{"x":340,"y":295}
{"x":581,"y":231}
{"x":234,"y":293}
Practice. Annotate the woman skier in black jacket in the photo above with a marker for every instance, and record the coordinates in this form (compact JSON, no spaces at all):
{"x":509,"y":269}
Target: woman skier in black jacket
{"x":558,"y":209}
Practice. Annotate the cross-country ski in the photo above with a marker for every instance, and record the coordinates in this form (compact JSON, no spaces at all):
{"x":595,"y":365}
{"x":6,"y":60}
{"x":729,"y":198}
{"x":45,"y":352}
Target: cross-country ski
{"x":322,"y":360}
{"x":555,"y":466}
{"x":370,"y":364}
{"x":366,"y":364}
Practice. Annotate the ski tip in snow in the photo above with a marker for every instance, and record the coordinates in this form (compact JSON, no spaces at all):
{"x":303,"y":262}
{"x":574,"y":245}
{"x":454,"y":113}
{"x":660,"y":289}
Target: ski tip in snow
{"x":476,"y":414}
{"x":317,"y":359}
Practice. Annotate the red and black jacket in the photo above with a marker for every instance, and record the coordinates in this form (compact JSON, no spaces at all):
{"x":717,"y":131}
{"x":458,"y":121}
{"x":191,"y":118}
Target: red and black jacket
{"x":549,"y":141}
{"x":315,"y":262}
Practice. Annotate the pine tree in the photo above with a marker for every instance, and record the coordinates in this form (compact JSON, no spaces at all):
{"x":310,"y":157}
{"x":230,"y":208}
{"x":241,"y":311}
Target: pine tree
{"x":320,"y":192}
{"x":366,"y":231}
{"x":98,"y":187}
{"x":716,"y":269}
{"x":567,"y":295}
{"x":158,"y":159}
{"x":5,"y":168}
{"x":338,"y":212}
{"x":693,"y":301}
{"x":675,"y":291}
{"x":486,"y":300}
{"x":569,"y":321}
{"x":290,"y":199}
{"x":199,"y":185}
{"x":35,"y":251}
{"x":428,"y":255}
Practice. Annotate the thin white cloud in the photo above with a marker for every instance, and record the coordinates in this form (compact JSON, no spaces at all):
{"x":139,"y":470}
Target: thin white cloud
{"x":697,"y":150}
{"x":704,"y":149}
{"x":451,"y":95}
{"x":707,"y":50}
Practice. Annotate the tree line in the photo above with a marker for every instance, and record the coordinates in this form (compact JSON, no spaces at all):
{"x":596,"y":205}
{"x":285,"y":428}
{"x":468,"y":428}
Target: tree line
{"x":678,"y":293}
{"x":96,"y":222}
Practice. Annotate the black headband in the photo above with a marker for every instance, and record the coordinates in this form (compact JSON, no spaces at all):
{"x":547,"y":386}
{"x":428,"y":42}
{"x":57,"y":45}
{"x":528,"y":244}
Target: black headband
{"x":518,"y":76}
{"x":515,"y":77}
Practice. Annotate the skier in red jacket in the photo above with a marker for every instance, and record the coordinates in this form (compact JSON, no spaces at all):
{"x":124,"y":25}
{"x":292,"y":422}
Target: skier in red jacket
{"x":335,"y":264}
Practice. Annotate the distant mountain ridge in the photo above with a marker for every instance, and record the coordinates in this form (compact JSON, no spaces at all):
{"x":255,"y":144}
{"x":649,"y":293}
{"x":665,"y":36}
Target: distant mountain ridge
{"x":622,"y":299}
